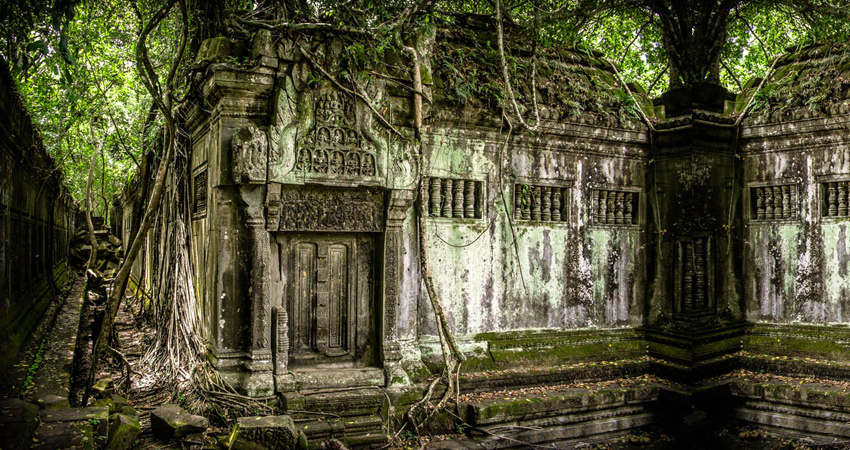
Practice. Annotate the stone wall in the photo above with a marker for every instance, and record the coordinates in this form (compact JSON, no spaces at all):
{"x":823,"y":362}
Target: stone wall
{"x":36,"y":223}
{"x":796,"y":193}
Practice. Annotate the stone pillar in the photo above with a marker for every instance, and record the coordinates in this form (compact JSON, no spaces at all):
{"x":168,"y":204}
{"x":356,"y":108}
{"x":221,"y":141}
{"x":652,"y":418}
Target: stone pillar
{"x":695,"y":311}
{"x":250,"y":162}
{"x":398,"y":203}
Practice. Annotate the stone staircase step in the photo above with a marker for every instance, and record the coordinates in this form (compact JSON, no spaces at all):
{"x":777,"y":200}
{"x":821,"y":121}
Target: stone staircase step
{"x":355,"y":432}
{"x":328,"y":378}
{"x":547,"y":376}
{"x":348,"y":402}
{"x":523,"y":407}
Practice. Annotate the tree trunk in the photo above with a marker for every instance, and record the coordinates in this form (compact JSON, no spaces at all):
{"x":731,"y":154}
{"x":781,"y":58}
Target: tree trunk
{"x":92,"y":264}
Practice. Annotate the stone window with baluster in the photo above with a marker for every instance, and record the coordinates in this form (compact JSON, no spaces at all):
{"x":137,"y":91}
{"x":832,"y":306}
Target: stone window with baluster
{"x":835,"y":199}
{"x":773,"y":202}
{"x":454,"y":198}
{"x":540,"y":203}
{"x":615,"y":207}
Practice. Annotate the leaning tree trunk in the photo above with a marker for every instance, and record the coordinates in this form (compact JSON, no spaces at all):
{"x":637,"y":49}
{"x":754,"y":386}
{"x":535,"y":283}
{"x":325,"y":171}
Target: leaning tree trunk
{"x":163,"y":98}
{"x":92,"y":264}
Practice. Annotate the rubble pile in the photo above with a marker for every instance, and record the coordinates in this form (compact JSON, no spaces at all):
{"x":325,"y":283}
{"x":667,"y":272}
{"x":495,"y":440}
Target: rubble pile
{"x":110,"y":251}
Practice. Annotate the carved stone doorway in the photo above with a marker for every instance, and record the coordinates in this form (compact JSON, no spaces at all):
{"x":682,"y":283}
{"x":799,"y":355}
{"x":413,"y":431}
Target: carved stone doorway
{"x":329,"y":294}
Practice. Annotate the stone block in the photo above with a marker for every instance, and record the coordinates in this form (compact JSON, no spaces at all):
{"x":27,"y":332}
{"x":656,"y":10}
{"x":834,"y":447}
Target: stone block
{"x":237,"y":443}
{"x":173,"y":422}
{"x":17,"y":423}
{"x":263,"y":45}
{"x":52,"y":401}
{"x":63,"y":435}
{"x":273,"y":432}
{"x":103,"y":388}
{"x":213,"y":50}
{"x":97,"y":416}
{"x":123,"y":431}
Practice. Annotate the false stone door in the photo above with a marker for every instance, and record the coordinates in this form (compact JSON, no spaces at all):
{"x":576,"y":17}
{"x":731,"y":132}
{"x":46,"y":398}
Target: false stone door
{"x":329,"y":292}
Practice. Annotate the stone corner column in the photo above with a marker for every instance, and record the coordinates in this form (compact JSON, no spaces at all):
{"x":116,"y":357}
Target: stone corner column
{"x":398,"y":203}
{"x":250,"y":161}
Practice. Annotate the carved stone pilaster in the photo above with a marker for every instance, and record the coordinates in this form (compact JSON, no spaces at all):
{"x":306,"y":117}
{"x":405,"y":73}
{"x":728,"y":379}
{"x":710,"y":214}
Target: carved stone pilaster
{"x":398,"y":204}
{"x":273,"y":206}
{"x":250,"y":164}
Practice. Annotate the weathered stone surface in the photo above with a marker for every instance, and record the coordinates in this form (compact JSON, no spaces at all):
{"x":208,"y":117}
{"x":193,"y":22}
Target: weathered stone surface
{"x":273,"y":432}
{"x":98,"y":416}
{"x":103,"y":388}
{"x":64,"y":435}
{"x":238,"y":443}
{"x":215,"y":49}
{"x":18,"y":420}
{"x":123,"y":431}
{"x":173,"y":422}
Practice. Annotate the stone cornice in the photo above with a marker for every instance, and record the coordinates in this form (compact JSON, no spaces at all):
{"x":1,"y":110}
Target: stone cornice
{"x":798,"y":135}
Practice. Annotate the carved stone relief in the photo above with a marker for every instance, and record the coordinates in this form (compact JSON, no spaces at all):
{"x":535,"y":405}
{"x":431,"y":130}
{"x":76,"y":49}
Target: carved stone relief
{"x":250,"y":155}
{"x":312,"y":209}
{"x":335,"y":146}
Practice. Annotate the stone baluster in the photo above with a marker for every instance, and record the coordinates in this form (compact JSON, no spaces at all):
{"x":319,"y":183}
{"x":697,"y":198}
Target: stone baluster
{"x":526,"y":201}
{"x":546,"y":204}
{"x":832,"y":200}
{"x":768,"y":203}
{"x":556,"y":204}
{"x":612,"y":201}
{"x":842,"y":198}
{"x":457,"y":209}
{"x":535,"y":203}
{"x":602,"y":216}
{"x":618,"y":208}
{"x":447,"y":197}
{"x":786,"y":202}
{"x":628,"y":219}
{"x":699,"y":273}
{"x":777,"y":202}
{"x":518,"y":201}
{"x":469,"y":200}
{"x":688,"y":276}
{"x":759,"y":203}
{"x":280,"y":339}
{"x":436,"y":196}
{"x":792,"y":200}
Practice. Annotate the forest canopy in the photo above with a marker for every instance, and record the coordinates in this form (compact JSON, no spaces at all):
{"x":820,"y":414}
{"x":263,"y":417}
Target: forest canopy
{"x":76,"y":64}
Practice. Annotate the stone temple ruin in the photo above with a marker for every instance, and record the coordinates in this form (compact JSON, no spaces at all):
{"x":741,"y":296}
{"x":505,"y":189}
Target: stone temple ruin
{"x":596,"y":248}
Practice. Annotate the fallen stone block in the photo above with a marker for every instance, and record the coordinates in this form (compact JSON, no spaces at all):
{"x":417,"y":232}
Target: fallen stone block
{"x":238,"y":443}
{"x":97,"y":416}
{"x":52,"y":401}
{"x":123,"y":431}
{"x":272,"y":432}
{"x":63,"y":435}
{"x":17,"y":423}
{"x":103,"y":388}
{"x":173,"y":422}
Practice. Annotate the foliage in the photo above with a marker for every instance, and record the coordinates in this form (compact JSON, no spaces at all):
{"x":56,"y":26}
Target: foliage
{"x":74,"y":60}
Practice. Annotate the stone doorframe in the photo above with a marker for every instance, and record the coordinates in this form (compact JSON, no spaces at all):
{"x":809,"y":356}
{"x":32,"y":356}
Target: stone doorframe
{"x":268,"y":351}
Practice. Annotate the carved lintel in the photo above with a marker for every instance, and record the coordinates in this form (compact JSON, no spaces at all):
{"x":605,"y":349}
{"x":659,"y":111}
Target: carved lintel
{"x":273,"y":206}
{"x":250,"y":148}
